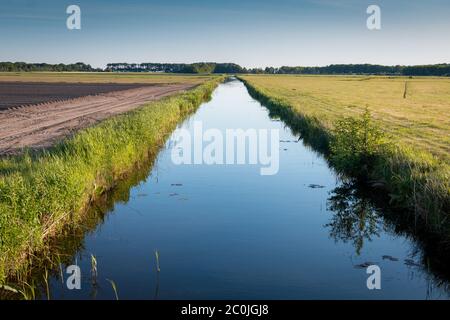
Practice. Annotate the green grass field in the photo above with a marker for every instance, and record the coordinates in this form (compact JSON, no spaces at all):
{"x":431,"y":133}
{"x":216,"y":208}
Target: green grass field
{"x":413,"y":163}
{"x":420,"y":120}
{"x":104,"y":77}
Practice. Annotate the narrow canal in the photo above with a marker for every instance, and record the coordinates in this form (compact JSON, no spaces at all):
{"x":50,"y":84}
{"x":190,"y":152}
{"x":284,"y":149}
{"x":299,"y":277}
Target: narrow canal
{"x":228,"y":232}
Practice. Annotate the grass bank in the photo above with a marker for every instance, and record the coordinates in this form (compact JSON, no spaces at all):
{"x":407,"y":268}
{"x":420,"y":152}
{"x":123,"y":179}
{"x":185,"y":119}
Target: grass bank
{"x":41,"y":192}
{"x":415,"y":179}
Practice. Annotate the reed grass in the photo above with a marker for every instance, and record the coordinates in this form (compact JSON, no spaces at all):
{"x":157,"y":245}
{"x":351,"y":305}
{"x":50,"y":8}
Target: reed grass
{"x":40,"y":192}
{"x":94,"y":270}
{"x":28,"y":291}
{"x":47,"y":286}
{"x":114,"y":287}
{"x":158,"y":269}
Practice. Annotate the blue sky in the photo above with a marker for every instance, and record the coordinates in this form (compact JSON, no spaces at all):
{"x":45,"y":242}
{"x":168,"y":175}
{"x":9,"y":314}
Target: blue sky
{"x":252,"y":33}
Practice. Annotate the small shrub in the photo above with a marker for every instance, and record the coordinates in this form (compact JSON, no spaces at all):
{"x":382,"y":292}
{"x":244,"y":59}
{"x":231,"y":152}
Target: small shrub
{"x":356,"y":145}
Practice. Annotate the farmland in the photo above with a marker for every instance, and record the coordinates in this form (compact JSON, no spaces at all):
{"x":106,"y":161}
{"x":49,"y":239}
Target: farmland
{"x":102,"y":77}
{"x":19,"y":89}
{"x":40,"y":109}
{"x":18,"y":94}
{"x":38,"y":126}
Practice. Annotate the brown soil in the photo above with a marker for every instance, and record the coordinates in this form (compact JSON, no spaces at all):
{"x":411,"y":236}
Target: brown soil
{"x":19,"y":94}
{"x":41,"y":125}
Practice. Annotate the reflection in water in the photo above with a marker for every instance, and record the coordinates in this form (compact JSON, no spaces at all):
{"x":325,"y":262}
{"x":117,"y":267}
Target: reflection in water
{"x":354,"y":218}
{"x":64,"y":248}
{"x":156,"y":287}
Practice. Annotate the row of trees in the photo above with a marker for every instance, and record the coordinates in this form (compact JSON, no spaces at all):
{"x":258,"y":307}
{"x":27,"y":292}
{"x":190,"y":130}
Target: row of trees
{"x":427,"y":70}
{"x":146,"y":67}
{"x":211,"y":67}
{"x":201,"y":67}
{"x":424,"y":70}
{"x":23,"y":66}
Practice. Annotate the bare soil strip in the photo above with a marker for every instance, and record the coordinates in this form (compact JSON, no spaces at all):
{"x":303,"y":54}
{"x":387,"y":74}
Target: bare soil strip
{"x":19,"y":94}
{"x":40,"y":126}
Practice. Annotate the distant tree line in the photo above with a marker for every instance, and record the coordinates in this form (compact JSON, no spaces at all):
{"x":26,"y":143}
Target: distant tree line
{"x":200,"y":67}
{"x":23,"y":66}
{"x":212,"y":67}
{"x":371,"y":69}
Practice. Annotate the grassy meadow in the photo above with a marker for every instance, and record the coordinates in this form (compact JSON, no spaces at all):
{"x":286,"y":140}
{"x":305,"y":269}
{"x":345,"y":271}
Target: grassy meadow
{"x":419,"y":120}
{"x":412,"y":163}
{"x":40,"y":192}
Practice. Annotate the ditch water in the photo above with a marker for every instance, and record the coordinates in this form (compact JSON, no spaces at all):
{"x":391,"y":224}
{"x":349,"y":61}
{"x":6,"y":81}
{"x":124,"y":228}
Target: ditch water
{"x":227,"y":232}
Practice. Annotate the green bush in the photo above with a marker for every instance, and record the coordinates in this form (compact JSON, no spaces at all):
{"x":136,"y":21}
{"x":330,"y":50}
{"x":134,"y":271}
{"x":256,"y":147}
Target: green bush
{"x":356,"y":145}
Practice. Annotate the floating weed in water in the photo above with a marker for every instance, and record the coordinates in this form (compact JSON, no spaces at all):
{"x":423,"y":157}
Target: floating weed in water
{"x":142,"y":195}
{"x":113,"y":285}
{"x":94,"y":272}
{"x":390,"y":258}
{"x":316,"y":186}
{"x":173,"y":194}
{"x":411,"y":263}
{"x":364,"y":265}
{"x":176,"y":184}
{"x":157,"y":261}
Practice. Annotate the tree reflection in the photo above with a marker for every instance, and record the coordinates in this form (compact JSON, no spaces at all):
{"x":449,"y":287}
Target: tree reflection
{"x":354,"y":218}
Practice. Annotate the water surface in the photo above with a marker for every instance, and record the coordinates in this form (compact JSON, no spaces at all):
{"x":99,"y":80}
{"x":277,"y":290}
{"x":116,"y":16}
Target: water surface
{"x":226,"y":232}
